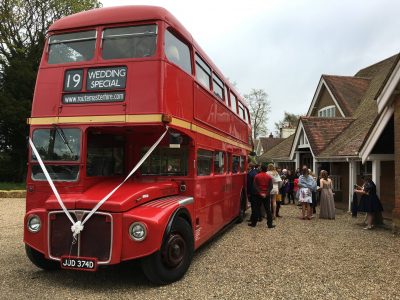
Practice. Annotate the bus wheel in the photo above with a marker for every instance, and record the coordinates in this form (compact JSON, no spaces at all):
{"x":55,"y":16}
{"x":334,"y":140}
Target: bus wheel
{"x":40,"y":261}
{"x":243,"y":208}
{"x":171,"y":262}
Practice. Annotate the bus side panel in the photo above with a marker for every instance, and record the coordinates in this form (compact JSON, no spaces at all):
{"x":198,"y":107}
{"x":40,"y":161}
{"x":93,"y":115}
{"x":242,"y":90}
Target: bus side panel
{"x":238,"y":183}
{"x":178,"y":92}
{"x":211,"y":111}
{"x":144,"y":87}
{"x":47,"y":96}
{"x":217,"y":203}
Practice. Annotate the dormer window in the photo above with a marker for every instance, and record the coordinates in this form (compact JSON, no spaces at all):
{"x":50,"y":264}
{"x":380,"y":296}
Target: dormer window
{"x":327,"y":112}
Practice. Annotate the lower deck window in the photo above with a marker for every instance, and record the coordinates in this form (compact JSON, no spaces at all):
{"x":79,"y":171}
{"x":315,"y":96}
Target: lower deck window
{"x":105,"y":155}
{"x":235,"y":164}
{"x":56,"y":172}
{"x":166,"y":161}
{"x":204,"y":162}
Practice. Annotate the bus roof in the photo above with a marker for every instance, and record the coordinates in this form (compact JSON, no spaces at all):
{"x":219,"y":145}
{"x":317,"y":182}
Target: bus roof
{"x":115,"y":15}
{"x":130,"y":13}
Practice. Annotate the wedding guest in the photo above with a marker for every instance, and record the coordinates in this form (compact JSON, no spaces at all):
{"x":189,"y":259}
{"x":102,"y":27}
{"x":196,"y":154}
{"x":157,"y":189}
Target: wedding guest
{"x":307,"y":185}
{"x":327,"y":203}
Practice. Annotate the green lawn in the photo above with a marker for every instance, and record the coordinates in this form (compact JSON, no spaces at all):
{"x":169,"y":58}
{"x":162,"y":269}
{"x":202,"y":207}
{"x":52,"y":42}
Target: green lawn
{"x":12,"y":186}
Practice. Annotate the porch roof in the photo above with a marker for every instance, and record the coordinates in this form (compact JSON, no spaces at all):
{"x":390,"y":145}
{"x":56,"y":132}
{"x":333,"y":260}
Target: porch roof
{"x":321,"y":131}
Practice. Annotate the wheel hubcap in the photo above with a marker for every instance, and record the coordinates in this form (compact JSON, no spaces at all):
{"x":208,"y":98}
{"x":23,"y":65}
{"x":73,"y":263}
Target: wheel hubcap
{"x":175,"y":250}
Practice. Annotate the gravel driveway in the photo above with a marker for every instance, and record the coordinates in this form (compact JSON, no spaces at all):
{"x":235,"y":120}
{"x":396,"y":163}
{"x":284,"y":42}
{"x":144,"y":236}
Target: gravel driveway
{"x":317,"y":259}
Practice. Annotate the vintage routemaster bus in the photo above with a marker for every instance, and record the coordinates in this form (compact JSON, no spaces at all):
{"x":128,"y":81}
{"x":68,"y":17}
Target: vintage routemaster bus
{"x":138,"y":145}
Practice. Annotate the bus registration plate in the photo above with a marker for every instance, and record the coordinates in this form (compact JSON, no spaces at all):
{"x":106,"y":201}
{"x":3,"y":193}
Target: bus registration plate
{"x":79,"y":263}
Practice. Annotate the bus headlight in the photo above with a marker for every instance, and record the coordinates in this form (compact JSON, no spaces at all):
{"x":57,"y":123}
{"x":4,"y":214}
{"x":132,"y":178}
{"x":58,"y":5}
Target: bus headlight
{"x":34,"y":224}
{"x":137,"y":231}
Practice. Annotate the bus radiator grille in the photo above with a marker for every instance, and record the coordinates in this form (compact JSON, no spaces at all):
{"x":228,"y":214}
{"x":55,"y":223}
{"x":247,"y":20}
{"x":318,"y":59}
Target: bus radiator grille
{"x":93,"y":241}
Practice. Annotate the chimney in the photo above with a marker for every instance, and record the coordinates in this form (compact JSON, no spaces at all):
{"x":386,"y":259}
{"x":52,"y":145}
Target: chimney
{"x":271,"y":136}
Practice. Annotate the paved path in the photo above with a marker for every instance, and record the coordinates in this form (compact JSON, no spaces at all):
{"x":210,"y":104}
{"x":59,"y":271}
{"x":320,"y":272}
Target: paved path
{"x":317,"y":259}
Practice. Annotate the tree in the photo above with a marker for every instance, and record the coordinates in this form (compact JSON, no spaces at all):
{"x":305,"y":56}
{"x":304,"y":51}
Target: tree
{"x":23,"y":29}
{"x":288,"y":118}
{"x":259,"y":107}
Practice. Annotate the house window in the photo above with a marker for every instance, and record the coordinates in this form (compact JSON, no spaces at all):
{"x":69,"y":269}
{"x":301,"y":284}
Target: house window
{"x":327,"y":112}
{"x":364,"y":169}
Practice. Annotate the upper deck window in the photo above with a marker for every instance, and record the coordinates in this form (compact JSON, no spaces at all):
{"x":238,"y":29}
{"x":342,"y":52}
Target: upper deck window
{"x":72,"y":47}
{"x":218,"y":87}
{"x":203,"y":72}
{"x":233,"y":102}
{"x":241,"y":111}
{"x":177,"y":52}
{"x":129,"y":42}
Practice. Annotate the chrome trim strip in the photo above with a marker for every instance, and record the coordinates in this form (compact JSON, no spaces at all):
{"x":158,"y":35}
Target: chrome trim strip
{"x":186,"y":201}
{"x":74,"y":212}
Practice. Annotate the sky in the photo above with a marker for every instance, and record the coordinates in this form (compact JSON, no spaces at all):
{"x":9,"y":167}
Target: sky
{"x":284,"y":46}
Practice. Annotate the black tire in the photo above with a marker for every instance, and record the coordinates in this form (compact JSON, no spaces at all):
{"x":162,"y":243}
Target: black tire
{"x":40,"y":261}
{"x":243,"y":208}
{"x":171,"y":262}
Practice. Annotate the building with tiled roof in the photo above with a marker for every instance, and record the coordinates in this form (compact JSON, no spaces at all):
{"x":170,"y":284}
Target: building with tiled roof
{"x":263,"y":144}
{"x":335,"y":135}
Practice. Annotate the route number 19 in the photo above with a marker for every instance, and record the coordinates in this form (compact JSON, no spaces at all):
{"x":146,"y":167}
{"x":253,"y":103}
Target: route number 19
{"x":73,"y":80}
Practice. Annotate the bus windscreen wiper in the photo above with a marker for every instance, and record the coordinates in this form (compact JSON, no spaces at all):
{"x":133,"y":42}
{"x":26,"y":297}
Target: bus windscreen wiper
{"x":63,"y":137}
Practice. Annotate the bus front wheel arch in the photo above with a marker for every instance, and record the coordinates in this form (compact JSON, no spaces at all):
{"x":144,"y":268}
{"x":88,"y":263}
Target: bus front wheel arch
{"x":40,"y":261}
{"x":171,"y":262}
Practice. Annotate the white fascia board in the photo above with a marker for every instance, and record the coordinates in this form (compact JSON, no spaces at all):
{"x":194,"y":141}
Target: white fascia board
{"x":376,"y":133}
{"x":338,"y":159}
{"x":299,"y":129}
{"x":296,"y":139}
{"x":387,"y":91}
{"x":316,"y":95}
{"x":334,"y":100}
{"x":380,"y":157}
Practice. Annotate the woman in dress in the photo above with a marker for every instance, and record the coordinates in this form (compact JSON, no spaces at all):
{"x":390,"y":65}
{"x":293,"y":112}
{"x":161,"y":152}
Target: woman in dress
{"x":307,"y":185}
{"x":276,"y":179}
{"x":369,"y":201}
{"x":327,"y":204}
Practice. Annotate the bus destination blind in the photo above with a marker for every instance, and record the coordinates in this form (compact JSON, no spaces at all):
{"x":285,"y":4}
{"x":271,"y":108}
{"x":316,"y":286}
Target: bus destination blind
{"x":101,"y":85}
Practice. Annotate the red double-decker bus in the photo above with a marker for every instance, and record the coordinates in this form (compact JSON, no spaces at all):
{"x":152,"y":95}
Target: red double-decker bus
{"x":138,"y":145}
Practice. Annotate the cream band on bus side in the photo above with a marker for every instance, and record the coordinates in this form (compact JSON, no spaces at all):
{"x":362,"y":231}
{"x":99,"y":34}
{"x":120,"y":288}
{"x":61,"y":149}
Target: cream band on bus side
{"x":151,"y":118}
